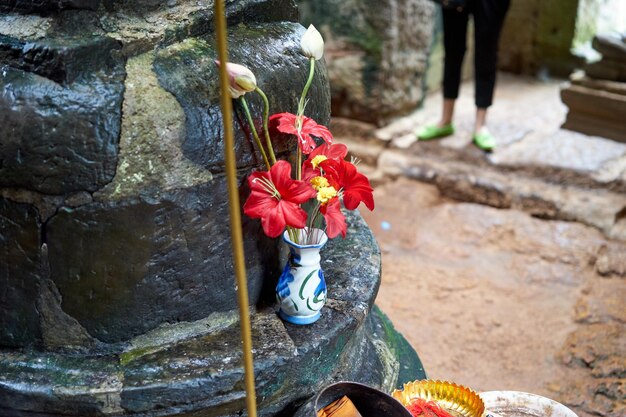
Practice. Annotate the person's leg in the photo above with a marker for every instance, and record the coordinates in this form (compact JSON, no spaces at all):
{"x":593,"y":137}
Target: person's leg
{"x":454,"y":42}
{"x":482,"y":137}
{"x":481,"y":118}
{"x":488,"y":18}
{"x":447,"y":112}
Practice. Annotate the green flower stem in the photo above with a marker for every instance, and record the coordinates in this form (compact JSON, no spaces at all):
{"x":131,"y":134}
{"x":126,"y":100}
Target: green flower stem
{"x":305,"y":91}
{"x":316,"y":213}
{"x":266,"y":115}
{"x":301,"y":105}
{"x":293,"y":234}
{"x":299,"y":164}
{"x":314,"y":216}
{"x":246,"y":110}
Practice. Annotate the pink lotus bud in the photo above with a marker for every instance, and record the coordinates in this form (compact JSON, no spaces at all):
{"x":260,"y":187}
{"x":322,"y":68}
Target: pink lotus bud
{"x":241,"y":79}
{"x":312,"y":43}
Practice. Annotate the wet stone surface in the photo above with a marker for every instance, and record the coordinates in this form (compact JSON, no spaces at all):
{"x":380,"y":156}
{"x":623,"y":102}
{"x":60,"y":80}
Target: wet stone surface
{"x":192,"y":369}
{"x":133,"y":176}
{"x":151,"y":260}
{"x":563,"y":149}
{"x":289,"y":69}
{"x":58,"y":59}
{"x":113,"y":191}
{"x":139,"y":26}
{"x":59,"y":138}
{"x":38,"y":6}
{"x":20,"y":242}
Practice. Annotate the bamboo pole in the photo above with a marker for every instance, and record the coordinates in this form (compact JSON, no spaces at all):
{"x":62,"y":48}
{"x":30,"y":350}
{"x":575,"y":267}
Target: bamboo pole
{"x":235,"y":216}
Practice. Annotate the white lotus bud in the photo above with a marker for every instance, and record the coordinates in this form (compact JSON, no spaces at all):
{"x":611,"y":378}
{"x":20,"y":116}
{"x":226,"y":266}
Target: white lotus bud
{"x":241,"y":79}
{"x":312,"y":43}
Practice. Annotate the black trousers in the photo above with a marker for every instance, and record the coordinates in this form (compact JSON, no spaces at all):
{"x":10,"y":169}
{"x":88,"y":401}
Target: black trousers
{"x":488,"y":18}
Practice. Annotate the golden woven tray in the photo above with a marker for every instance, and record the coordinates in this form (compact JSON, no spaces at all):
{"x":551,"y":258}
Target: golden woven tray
{"x":455,"y":399}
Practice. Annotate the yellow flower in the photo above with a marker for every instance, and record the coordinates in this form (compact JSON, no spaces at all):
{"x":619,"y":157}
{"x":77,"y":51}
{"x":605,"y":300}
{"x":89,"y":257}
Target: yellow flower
{"x":318,"y":160}
{"x":325,"y":194}
{"x":319,"y":182}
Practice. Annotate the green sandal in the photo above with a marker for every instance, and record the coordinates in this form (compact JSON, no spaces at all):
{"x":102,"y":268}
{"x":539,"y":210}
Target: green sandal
{"x":434,"y":132}
{"x":484,"y":140}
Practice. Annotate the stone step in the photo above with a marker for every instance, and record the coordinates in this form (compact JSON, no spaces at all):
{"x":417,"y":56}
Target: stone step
{"x":615,"y":87}
{"x":382,"y":344}
{"x":597,"y":126}
{"x":195,"y":368}
{"x":594,"y":111}
{"x":603,"y":166}
{"x":463,"y":180}
{"x":613,"y":47}
{"x":607,"y":69}
{"x":602,"y":104}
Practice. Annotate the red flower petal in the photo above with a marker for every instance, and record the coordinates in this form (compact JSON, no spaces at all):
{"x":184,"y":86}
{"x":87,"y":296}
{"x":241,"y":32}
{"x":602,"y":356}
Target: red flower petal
{"x":337,"y":151}
{"x":277,"y":210}
{"x":286,"y":123}
{"x":306,"y":143}
{"x":280,"y":175}
{"x":258,"y":204}
{"x":273,"y":222}
{"x":357,"y":190}
{"x":300,"y":192}
{"x":310,"y":127}
{"x":356,"y":187}
{"x":290,"y":189}
{"x":335,"y":220}
{"x":295,"y":216}
{"x":309,"y":172}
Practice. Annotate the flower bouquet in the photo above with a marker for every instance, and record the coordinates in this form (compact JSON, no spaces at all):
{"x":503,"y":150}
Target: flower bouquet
{"x":304,"y":208}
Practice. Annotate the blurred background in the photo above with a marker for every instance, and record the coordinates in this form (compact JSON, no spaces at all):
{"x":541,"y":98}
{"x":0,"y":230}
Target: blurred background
{"x":505,"y":270}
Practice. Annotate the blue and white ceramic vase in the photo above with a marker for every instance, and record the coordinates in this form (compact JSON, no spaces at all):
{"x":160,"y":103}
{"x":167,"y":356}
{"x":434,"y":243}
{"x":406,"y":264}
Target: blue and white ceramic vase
{"x":301,"y":289}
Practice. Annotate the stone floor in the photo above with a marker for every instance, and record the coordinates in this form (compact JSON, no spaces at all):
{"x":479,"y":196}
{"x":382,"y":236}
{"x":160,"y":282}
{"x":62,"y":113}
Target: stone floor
{"x":505,"y":271}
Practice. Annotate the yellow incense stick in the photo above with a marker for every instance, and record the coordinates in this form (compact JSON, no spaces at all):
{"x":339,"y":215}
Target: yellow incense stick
{"x":235,"y":216}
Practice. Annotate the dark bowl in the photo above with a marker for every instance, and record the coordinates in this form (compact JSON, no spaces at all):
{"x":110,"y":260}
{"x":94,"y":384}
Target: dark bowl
{"x":369,"y":401}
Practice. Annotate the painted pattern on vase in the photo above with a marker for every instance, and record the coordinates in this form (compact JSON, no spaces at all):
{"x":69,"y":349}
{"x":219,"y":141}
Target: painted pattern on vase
{"x":301,"y":289}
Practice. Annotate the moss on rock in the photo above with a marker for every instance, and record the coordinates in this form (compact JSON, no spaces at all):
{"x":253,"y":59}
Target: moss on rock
{"x":153,"y":126}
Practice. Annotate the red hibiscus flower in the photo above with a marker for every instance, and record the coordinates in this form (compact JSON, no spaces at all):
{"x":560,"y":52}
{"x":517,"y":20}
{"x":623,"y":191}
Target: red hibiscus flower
{"x":310,"y":167}
{"x":338,"y":151}
{"x":335,"y":220}
{"x":304,"y":128}
{"x":276,"y":199}
{"x":355,"y":187}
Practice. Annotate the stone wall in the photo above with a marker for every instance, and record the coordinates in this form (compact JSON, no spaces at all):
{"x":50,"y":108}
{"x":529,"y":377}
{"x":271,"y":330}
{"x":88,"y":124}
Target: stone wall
{"x":376,"y":53}
{"x":195,"y":368}
{"x":113,"y":209}
{"x":538,"y":34}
